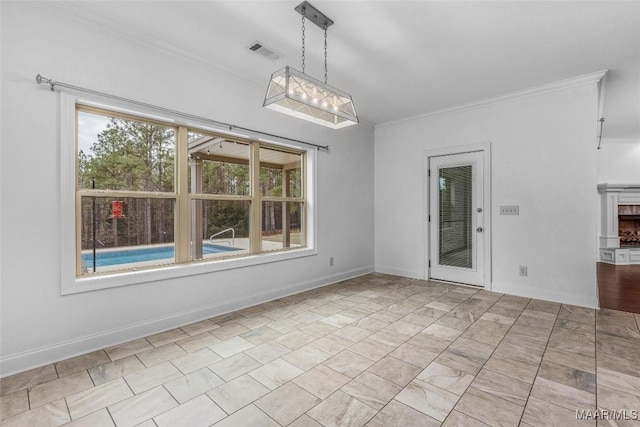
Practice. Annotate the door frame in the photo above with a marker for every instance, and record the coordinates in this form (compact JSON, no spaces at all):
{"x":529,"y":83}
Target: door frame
{"x":485,"y":149}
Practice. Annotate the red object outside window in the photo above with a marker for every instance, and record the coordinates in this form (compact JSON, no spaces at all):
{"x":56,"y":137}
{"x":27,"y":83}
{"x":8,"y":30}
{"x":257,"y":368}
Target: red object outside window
{"x":117,"y":209}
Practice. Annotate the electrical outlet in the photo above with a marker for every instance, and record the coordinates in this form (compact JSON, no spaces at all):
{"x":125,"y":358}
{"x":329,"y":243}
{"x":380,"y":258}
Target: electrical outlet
{"x":330,"y":261}
{"x":523,"y":270}
{"x":510,"y":210}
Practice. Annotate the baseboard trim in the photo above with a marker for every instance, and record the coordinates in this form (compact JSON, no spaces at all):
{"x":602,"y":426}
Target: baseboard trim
{"x":24,"y":361}
{"x":412,"y":274}
{"x":505,"y":288}
{"x":561,"y":297}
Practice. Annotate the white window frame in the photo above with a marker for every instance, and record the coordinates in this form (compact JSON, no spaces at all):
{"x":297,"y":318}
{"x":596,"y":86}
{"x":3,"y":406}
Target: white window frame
{"x":71,"y":284}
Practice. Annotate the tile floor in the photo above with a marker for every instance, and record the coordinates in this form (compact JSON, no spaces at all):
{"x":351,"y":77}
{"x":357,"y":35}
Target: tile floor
{"x":377,"y":350}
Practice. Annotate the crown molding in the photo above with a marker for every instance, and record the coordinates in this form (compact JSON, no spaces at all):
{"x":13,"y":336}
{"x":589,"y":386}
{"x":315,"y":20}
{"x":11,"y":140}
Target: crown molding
{"x":619,"y":141}
{"x":585,"y":79}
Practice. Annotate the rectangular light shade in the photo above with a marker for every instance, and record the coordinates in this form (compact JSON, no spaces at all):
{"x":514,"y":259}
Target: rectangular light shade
{"x":299,"y":95}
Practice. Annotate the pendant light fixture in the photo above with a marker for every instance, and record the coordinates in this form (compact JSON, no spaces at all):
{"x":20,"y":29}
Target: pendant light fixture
{"x":300,"y":95}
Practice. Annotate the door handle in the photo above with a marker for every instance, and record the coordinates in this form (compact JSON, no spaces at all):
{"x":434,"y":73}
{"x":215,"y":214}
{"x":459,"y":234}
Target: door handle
{"x":479,"y":229}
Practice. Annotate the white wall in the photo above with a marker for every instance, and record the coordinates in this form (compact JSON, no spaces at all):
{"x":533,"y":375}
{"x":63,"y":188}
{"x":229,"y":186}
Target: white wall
{"x":38,"y":324}
{"x":543,"y":151}
{"x":619,"y":161}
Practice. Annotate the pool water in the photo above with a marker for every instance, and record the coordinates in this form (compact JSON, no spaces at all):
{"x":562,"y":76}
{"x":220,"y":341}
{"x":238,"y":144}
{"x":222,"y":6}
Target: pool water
{"x":127,"y":256}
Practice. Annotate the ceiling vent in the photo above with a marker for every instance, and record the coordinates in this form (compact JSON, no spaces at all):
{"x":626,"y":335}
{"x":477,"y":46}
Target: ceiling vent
{"x":265,"y":51}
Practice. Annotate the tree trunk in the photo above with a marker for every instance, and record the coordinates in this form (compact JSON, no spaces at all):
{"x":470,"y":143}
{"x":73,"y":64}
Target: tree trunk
{"x":272,"y":218}
{"x":147,"y":221}
{"x":114,"y":229}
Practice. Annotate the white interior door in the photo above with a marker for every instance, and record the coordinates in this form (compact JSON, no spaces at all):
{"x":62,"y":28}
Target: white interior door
{"x":456,"y":218}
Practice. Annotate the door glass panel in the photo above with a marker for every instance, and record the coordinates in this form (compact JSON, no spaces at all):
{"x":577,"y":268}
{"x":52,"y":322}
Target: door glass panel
{"x":455,"y":204}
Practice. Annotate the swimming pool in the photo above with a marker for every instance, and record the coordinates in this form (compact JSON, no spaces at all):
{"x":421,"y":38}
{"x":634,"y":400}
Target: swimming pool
{"x":128,"y":256}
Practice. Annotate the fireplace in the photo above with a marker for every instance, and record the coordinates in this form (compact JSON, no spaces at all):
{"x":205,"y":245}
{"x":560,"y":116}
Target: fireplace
{"x":629,"y":225}
{"x":620,"y":226}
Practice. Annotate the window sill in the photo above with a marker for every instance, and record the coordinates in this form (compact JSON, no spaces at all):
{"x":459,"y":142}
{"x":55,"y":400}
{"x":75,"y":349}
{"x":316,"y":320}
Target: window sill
{"x":94,"y":283}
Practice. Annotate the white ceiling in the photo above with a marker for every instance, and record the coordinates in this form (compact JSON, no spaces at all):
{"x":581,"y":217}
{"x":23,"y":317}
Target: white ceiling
{"x":400,"y":59}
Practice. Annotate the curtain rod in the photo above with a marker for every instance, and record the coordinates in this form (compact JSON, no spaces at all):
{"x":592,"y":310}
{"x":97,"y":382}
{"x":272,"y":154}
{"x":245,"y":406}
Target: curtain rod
{"x":52,"y":84}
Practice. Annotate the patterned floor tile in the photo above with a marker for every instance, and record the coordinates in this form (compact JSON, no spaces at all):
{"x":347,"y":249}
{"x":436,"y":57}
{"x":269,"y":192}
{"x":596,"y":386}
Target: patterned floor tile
{"x":376,"y":350}
{"x":287,"y":403}
{"x":340,"y":409}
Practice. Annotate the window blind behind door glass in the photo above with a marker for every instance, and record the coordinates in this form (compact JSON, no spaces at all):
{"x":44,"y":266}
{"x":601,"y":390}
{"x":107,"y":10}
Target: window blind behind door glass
{"x":455,"y":205}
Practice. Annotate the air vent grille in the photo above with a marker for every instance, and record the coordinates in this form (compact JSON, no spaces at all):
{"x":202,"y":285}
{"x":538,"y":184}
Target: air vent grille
{"x":267,"y":52}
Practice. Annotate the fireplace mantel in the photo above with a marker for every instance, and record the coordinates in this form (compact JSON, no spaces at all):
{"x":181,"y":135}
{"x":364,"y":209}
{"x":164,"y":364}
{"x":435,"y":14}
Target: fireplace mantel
{"x":613,"y":195}
{"x":619,"y":188}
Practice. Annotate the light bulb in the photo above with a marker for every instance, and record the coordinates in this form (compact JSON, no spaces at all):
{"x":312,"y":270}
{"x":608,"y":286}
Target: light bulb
{"x":315,"y":100}
{"x":304,"y":96}
{"x":324,"y":104}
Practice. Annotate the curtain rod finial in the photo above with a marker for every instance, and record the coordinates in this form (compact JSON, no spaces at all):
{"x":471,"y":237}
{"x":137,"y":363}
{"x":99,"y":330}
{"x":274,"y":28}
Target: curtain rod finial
{"x":40,"y":80}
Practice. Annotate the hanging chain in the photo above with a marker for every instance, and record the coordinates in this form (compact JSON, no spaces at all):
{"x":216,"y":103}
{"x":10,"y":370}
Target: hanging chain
{"x":326,"y":69}
{"x":303,"y":13}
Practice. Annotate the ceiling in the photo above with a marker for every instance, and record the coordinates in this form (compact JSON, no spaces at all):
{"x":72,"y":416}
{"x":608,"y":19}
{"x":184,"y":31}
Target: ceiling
{"x":400,"y":59}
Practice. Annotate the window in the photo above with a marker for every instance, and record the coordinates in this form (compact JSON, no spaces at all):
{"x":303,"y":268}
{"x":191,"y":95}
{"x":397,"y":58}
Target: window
{"x":151,"y":194}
